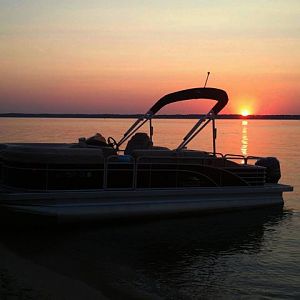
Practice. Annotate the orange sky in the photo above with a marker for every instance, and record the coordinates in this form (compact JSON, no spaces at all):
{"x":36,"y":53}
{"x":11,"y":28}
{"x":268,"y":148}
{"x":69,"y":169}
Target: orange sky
{"x":115,"y":57}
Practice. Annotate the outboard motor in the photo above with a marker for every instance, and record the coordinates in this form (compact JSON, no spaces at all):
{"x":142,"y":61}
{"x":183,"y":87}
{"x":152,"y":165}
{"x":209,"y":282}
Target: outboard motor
{"x":272,"y":164}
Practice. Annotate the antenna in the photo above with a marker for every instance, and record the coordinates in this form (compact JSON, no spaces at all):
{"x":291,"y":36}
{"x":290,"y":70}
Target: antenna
{"x":208,"y":73}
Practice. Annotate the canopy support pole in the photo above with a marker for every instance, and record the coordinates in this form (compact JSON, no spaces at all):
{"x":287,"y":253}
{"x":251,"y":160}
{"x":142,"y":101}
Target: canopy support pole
{"x":191,"y":134}
{"x":151,"y":130}
{"x":214,"y":134}
{"x":136,"y":126}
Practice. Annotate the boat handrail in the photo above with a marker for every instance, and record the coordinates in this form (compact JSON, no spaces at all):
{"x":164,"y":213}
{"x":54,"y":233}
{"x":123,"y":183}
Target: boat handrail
{"x":175,"y":161}
{"x":240,"y":156}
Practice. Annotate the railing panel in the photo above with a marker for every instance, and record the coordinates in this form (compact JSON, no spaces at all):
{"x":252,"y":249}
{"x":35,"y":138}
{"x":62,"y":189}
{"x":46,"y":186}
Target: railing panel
{"x":124,"y":172}
{"x":119,"y":172}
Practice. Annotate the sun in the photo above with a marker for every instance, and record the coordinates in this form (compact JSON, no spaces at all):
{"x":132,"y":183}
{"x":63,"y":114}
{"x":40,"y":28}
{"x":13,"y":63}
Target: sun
{"x":245,"y":112}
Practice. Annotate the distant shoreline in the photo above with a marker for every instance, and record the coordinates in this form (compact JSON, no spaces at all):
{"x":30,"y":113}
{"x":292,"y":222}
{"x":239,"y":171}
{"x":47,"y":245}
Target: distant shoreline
{"x":134,"y":116}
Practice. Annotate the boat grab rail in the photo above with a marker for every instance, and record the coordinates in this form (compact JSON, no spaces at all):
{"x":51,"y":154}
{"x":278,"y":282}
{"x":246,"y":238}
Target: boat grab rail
{"x":130,"y":160}
{"x":240,"y":156}
{"x":187,"y":158}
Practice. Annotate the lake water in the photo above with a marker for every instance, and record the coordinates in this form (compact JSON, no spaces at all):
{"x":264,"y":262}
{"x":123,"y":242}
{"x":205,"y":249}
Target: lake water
{"x":252,"y":254}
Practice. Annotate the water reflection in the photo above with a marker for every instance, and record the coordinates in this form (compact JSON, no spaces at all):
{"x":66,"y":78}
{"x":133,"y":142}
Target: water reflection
{"x":178,"y":259}
{"x":244,"y":141}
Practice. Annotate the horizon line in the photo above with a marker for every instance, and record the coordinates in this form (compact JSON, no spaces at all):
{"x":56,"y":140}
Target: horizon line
{"x":162,"y":116}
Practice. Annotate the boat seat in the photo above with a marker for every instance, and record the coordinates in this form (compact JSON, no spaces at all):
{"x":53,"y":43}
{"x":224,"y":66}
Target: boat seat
{"x":106,"y":150}
{"x":159,"y":148}
{"x":140,"y":140}
{"x":53,"y":155}
{"x":192,"y":153}
{"x":153,"y":153}
{"x":163,"y":152}
{"x":168,"y":156}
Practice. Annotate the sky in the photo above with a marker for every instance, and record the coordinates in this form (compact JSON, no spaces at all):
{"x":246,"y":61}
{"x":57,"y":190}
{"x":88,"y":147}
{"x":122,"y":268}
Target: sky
{"x":94,"y":56}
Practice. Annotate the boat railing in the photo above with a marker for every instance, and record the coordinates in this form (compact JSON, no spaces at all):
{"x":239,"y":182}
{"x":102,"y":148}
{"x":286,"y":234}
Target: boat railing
{"x":127,"y":164}
{"x":175,"y":161}
{"x":118,"y":160}
{"x":244,"y":158}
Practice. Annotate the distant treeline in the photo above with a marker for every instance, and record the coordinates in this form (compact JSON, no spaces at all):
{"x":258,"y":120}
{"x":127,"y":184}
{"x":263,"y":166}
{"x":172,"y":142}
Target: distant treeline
{"x":133,"y":116}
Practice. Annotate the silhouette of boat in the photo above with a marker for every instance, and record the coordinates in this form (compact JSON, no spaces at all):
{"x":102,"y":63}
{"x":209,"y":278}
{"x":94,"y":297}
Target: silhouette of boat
{"x":93,"y":179}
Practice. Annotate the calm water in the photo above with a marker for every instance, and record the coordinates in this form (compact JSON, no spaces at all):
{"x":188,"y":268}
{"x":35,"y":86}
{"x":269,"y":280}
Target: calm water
{"x":252,"y":254}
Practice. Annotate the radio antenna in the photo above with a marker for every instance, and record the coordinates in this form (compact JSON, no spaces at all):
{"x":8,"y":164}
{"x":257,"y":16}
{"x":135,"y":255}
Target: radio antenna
{"x":208,"y":73}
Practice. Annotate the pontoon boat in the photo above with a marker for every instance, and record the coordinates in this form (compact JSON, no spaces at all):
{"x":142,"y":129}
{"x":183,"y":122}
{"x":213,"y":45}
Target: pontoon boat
{"x":93,"y":179}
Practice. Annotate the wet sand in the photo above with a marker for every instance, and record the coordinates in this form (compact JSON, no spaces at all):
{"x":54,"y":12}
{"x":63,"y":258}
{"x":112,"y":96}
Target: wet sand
{"x":65,"y":263}
{"x":22,"y":279}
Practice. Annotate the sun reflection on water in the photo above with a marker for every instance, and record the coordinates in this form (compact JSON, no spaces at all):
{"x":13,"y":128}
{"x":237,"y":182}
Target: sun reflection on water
{"x":244,"y":140}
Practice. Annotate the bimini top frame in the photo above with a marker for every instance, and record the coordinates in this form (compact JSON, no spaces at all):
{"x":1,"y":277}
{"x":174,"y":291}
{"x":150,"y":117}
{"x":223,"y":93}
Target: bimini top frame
{"x":195,"y":93}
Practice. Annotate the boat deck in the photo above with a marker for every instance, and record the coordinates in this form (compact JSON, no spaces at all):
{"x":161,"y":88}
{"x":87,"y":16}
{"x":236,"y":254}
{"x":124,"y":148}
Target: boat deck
{"x":104,"y":204}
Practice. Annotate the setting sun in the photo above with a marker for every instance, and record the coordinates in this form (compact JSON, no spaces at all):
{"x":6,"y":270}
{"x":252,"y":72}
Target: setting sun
{"x":245,"y":112}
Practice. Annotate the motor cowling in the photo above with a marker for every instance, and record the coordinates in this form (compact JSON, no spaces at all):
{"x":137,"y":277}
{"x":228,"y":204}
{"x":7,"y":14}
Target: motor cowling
{"x":272,"y":164}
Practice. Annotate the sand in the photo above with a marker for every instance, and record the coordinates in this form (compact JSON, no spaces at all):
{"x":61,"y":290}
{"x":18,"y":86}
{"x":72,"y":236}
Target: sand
{"x":22,"y":279}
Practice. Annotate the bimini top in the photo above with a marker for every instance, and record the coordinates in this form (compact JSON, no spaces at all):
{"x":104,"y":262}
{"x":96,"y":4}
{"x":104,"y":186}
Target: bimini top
{"x":195,"y":93}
